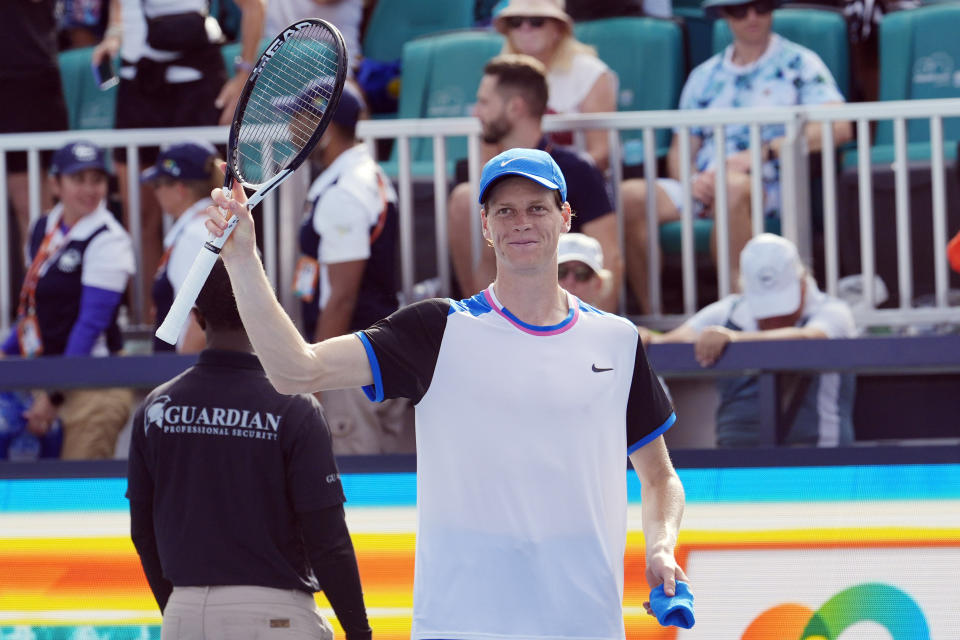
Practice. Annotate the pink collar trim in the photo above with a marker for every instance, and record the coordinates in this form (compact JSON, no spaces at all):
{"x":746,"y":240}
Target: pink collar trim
{"x":534,"y":330}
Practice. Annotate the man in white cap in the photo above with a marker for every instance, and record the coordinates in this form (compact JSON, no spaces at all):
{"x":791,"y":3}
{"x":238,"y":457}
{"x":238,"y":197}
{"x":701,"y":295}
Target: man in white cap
{"x":527,"y":403}
{"x":580,"y":268}
{"x":780,"y":301}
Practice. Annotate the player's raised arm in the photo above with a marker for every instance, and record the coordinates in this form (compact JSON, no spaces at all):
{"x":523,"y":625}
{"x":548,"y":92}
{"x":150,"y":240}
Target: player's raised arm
{"x":293,"y":365}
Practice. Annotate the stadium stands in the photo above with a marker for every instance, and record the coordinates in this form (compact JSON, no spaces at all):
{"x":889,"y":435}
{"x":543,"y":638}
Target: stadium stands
{"x":914,"y":52}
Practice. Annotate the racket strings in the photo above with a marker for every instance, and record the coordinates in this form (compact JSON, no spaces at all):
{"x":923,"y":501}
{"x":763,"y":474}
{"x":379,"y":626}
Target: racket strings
{"x":303,"y":71}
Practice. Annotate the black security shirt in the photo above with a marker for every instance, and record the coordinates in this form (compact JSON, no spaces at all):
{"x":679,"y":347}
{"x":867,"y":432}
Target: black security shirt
{"x":228,"y":463}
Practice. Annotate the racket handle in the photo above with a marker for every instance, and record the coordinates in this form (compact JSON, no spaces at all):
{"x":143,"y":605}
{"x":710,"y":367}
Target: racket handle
{"x":172,"y":325}
{"x":169,"y":330}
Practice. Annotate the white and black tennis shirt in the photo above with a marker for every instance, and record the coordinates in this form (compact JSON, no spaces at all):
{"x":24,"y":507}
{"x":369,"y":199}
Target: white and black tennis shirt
{"x":522,"y":435}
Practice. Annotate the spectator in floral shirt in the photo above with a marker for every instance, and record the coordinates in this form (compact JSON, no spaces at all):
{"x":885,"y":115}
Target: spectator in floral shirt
{"x":759,"y":69}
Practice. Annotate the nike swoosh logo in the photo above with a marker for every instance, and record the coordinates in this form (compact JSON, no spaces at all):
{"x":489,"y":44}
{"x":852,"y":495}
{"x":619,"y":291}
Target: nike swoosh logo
{"x":504,"y":163}
{"x":599,"y":370}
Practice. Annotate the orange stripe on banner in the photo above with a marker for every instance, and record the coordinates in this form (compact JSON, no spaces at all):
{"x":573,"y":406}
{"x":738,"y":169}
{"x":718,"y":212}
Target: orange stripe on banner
{"x":822,"y":538}
{"x":44,"y":572}
{"x":66,"y":545}
{"x":42,"y":579}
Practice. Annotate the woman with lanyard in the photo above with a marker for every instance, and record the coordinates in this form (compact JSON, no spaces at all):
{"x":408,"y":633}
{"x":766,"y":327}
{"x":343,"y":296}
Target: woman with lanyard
{"x":80,"y":261}
{"x":182,"y":178}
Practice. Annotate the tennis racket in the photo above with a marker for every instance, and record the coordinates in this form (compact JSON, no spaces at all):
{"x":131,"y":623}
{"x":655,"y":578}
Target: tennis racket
{"x":284,"y":108}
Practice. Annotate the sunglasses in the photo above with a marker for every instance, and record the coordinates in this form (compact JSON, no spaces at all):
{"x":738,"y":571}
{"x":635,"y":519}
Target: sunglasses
{"x":580,"y":274}
{"x":739,"y":11}
{"x":515,"y":22}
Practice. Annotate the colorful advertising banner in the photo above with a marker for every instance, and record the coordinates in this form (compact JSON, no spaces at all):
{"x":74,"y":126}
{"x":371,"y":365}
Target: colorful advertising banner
{"x":779,"y":553}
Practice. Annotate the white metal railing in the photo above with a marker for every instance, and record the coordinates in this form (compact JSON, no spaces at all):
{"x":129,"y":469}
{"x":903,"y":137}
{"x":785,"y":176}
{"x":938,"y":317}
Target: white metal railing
{"x":281,"y":219}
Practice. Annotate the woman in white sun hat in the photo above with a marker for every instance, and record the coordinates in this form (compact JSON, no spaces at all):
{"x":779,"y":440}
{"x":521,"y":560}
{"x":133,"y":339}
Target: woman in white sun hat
{"x":579,"y":81}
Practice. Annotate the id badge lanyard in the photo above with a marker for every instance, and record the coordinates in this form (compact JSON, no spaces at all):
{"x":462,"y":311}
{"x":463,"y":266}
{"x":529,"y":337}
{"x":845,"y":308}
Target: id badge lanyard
{"x":28,"y":327}
{"x":307,"y":271}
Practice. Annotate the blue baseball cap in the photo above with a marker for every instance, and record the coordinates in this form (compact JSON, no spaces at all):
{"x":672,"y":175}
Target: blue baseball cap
{"x":532,"y":164}
{"x":313,"y":98}
{"x":76,"y":157}
{"x":181,"y":161}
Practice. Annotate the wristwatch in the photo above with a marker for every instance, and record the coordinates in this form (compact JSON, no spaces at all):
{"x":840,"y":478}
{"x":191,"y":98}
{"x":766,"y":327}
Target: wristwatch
{"x":239,"y":64}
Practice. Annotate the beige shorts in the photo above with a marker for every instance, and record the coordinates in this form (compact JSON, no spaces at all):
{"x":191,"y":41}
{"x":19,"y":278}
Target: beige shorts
{"x":359,"y":426}
{"x":242,"y":613}
{"x":92,"y":419}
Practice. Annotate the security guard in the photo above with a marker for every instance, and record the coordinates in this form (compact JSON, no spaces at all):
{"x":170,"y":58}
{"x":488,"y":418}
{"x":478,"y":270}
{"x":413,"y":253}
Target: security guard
{"x":236,"y":504}
{"x":183,"y":177}
{"x":81,"y":259}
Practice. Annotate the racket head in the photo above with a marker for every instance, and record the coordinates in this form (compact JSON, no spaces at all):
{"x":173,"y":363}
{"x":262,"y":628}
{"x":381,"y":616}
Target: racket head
{"x":286,"y":103}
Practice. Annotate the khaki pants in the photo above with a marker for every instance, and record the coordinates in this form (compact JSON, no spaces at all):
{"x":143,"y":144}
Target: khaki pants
{"x":92,"y":420}
{"x":359,"y":426}
{"x":242,"y":613}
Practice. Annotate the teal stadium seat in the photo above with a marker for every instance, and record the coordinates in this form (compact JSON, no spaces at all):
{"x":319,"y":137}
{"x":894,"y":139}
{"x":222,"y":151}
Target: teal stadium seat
{"x":821,"y":30}
{"x":647,"y":56}
{"x":87,"y":106}
{"x":441,"y":74}
{"x":919,"y":51}
{"x":393,"y":23}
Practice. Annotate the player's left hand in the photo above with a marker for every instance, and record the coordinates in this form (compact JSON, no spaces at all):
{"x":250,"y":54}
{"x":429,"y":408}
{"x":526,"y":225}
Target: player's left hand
{"x":229,"y":96}
{"x":662,"y":568}
{"x":242,"y":243}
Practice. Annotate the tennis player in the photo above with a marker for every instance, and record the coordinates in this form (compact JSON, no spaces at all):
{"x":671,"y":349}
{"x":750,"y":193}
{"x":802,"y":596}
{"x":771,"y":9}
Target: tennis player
{"x":527,"y":403}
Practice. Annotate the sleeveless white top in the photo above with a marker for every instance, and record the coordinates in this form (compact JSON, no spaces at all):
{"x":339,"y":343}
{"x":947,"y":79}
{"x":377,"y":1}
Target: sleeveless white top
{"x":569,"y":87}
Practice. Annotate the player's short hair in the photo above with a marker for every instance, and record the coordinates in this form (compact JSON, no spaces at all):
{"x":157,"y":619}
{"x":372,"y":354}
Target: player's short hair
{"x":216,"y":302}
{"x":521,"y":75}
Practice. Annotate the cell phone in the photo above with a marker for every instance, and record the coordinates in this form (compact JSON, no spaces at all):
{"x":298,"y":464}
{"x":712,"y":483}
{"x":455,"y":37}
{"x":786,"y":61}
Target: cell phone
{"x":104,"y":74}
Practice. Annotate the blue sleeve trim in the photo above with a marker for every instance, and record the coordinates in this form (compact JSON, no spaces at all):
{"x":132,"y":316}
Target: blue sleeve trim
{"x":656,"y":433}
{"x":374,"y":391}
{"x":96,"y":313}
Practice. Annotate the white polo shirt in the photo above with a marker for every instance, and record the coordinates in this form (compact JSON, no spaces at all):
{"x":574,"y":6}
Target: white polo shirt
{"x":349,"y":197}
{"x":186,"y":237}
{"x":522,"y":439}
